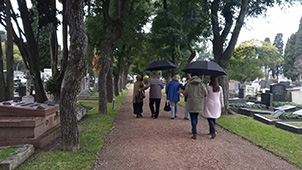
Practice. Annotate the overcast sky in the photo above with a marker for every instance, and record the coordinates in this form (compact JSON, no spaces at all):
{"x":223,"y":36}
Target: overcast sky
{"x":284,"y":21}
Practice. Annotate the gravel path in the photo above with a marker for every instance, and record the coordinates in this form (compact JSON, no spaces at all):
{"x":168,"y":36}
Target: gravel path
{"x":166,"y":144}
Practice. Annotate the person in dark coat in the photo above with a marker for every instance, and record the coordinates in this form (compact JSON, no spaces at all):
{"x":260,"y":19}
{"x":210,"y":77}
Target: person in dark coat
{"x":138,"y":102}
{"x":172,"y":96}
{"x":155,"y":94}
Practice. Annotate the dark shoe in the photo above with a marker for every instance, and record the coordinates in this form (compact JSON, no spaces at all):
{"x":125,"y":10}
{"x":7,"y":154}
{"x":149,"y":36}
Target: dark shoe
{"x":140,"y":115}
{"x":172,"y":117}
{"x":194,"y":136}
{"x":186,"y":118}
{"x":153,"y":115}
{"x":175,"y":116}
{"x":137,"y":115}
{"x":213,"y":135}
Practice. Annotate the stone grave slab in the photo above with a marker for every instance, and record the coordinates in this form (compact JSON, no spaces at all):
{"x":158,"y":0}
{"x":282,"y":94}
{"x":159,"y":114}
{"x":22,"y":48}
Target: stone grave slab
{"x":277,"y":113}
{"x":286,"y":108}
{"x":296,"y":97}
{"x":298,"y":112}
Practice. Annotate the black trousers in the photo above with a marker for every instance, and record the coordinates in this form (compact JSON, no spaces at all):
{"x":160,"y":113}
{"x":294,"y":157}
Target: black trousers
{"x":157,"y":105}
{"x":212,"y":125}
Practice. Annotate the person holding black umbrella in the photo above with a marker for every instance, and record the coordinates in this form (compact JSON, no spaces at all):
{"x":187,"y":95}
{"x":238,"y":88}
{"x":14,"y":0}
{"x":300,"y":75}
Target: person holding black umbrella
{"x":155,"y":94}
{"x":213,"y":104}
{"x":196,"y":92}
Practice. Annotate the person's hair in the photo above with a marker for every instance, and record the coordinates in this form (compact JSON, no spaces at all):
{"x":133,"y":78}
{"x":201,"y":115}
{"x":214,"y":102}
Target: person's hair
{"x":214,"y":84}
{"x":176,"y":77}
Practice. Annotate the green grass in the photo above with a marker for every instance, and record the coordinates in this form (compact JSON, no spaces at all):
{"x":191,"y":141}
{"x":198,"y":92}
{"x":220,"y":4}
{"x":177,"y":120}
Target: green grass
{"x":95,"y":130}
{"x":285,"y":144}
{"x":6,"y":152}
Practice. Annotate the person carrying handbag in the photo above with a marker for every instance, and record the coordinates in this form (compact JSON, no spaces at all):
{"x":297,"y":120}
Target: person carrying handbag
{"x":138,"y":99}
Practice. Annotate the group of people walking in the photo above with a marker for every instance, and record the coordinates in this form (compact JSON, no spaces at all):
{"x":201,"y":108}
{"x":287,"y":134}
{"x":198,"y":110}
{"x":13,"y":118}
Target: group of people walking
{"x":199,"y":98}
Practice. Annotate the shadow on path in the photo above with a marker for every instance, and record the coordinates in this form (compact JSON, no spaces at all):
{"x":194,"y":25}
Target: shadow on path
{"x":164,"y":144}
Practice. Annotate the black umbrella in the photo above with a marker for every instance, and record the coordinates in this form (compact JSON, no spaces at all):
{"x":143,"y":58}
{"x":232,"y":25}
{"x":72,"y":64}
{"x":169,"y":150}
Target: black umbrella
{"x":204,"y":68}
{"x":160,"y":65}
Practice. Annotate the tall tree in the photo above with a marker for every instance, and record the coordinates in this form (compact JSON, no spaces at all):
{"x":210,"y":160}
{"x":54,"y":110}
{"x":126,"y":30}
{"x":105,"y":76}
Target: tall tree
{"x":75,"y":71}
{"x":223,"y":15}
{"x":278,"y":42}
{"x":293,"y":55}
{"x":2,"y":82}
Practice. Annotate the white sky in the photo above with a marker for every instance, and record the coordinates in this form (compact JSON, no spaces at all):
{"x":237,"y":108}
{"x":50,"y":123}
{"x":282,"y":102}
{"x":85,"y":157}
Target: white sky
{"x":284,"y":21}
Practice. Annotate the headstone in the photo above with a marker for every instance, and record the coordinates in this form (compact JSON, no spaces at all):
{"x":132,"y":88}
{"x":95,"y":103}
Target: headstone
{"x":278,"y":91}
{"x":296,"y":97}
{"x":85,"y":92}
{"x":298,"y":112}
{"x":286,"y":108}
{"x":241,"y":93}
{"x":262,"y":84}
{"x":267,"y":99}
{"x":28,"y":98}
{"x":250,"y":90}
{"x":286,"y":83}
{"x":268,"y":83}
{"x":277,"y":113}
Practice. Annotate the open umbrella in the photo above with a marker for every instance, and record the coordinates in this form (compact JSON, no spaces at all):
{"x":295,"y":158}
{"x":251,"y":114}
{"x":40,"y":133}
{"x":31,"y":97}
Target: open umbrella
{"x":160,"y":65}
{"x":204,"y":68}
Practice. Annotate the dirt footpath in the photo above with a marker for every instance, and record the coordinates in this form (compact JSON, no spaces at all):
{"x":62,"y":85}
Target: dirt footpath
{"x":166,"y":144}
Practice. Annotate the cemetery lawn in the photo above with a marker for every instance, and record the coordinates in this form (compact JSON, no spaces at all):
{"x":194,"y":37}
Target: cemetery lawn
{"x":6,"y":152}
{"x":282,"y":143}
{"x":94,"y":129}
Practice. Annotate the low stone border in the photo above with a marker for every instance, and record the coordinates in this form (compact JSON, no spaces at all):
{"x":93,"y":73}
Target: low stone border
{"x":265,"y":120}
{"x":288,"y":127}
{"x":250,"y":112}
{"x":22,"y":153}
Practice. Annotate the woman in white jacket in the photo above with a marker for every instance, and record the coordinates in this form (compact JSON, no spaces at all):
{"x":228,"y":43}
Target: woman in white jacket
{"x":213,"y":104}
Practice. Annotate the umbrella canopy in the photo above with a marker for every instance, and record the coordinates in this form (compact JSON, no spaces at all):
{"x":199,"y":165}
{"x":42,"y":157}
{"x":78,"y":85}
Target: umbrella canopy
{"x":204,"y":68}
{"x":160,"y":65}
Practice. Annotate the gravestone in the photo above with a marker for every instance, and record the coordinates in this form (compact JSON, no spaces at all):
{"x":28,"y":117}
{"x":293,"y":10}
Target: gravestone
{"x":298,"y":112}
{"x":241,"y":93}
{"x":278,"y":91}
{"x":277,"y":113}
{"x":286,"y":83}
{"x":250,"y":90}
{"x":267,"y":99}
{"x":268,"y":83}
{"x":286,"y":108}
{"x":296,"y":97}
{"x":262,"y":84}
{"x":28,"y":98}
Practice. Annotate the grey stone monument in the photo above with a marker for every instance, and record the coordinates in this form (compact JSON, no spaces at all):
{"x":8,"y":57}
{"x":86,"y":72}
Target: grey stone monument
{"x":28,"y":98}
{"x":278,"y":91}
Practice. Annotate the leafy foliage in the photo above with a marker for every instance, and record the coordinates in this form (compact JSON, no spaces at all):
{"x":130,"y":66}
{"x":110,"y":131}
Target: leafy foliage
{"x":289,"y":115}
{"x":250,"y":57}
{"x":293,"y":55}
{"x":243,"y":105}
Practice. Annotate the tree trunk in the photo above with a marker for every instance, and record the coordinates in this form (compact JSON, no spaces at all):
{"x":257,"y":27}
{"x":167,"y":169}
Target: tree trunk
{"x":2,"y":83}
{"x":109,"y":83}
{"x":53,"y":42}
{"x":32,"y":52}
{"x":223,"y":55}
{"x":75,"y":72}
{"x":105,"y":60}
{"x":9,"y":55}
{"x":116,"y":84}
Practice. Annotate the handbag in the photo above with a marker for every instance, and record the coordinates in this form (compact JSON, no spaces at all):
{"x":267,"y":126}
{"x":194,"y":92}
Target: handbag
{"x":167,"y":107}
{"x":142,"y":94}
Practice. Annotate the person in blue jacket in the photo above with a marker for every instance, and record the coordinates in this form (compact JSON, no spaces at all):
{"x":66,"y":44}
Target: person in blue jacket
{"x":172,"y":96}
